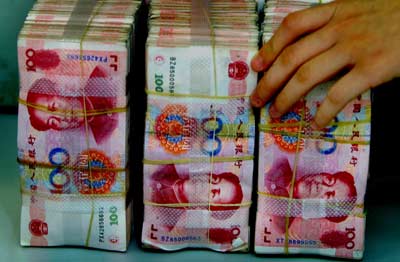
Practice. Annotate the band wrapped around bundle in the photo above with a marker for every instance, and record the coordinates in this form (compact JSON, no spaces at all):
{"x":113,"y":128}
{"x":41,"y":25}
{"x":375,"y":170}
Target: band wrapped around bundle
{"x":311,"y":183}
{"x":199,"y":138}
{"x":72,"y":133}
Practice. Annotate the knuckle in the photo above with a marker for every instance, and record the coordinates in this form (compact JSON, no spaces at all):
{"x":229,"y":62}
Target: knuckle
{"x":266,"y":87}
{"x":291,"y":21}
{"x":304,"y":74}
{"x":370,"y":76}
{"x":288,"y":56}
{"x":348,"y":53}
{"x":336,"y":28}
{"x":267,"y":50}
{"x":334,"y":98}
{"x":262,"y":88}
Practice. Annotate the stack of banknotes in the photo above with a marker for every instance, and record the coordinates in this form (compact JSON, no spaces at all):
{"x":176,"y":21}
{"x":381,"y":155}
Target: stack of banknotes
{"x":276,"y":10}
{"x":199,"y":135}
{"x":311,"y":182}
{"x":72,"y":125}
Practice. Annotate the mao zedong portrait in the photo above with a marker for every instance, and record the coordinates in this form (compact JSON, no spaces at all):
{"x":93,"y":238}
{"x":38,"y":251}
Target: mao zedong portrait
{"x":221,"y":193}
{"x":169,"y":187}
{"x":338,"y":187}
{"x":52,"y":110}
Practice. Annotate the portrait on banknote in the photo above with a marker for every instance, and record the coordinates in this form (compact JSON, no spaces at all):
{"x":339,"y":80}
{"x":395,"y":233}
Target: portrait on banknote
{"x":339,"y":185}
{"x":180,"y":199}
{"x":49,"y":108}
{"x":169,"y":187}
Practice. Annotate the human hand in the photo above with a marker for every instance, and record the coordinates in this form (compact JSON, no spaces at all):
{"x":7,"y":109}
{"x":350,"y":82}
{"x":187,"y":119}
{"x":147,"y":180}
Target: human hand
{"x":361,"y":37}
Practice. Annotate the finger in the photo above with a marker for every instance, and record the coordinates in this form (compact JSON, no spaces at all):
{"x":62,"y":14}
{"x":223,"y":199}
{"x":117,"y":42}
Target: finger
{"x":315,"y":71}
{"x":368,"y":73}
{"x":290,"y":59}
{"x":293,"y":26}
{"x":340,"y":94}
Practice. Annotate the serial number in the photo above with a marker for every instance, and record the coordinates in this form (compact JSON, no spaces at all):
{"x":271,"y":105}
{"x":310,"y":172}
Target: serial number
{"x":180,"y":239}
{"x":94,"y":58}
{"x":172,"y":65}
{"x":101,"y":225}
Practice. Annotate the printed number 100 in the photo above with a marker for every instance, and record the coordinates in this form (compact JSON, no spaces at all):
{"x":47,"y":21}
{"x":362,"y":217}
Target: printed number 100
{"x":113,"y":216}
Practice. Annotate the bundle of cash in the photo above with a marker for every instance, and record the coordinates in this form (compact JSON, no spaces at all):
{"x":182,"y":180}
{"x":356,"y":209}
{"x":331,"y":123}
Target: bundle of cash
{"x":311,"y":182}
{"x":199,"y":135}
{"x":74,"y":58}
{"x":276,"y":10}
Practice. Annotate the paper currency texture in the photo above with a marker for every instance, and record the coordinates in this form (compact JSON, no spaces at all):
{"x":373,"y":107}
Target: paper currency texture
{"x":312,"y":183}
{"x":200,"y":129}
{"x":72,"y":124}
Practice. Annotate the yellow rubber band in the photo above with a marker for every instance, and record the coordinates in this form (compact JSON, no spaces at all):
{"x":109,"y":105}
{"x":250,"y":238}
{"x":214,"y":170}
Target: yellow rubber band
{"x":151,"y":92}
{"x":209,"y":204}
{"x":296,"y":160}
{"x":196,"y":160}
{"x":78,"y":113}
{"x":67,"y":167}
{"x":305,"y":123}
{"x":327,"y":139}
{"x":86,"y":116}
{"x":69,"y":196}
{"x":265,"y":194}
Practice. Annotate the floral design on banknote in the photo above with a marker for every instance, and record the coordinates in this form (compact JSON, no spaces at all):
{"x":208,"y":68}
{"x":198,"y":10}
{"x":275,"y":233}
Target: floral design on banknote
{"x":72,"y":124}
{"x":199,"y":141}
{"x":311,"y":197}
{"x":100,"y":178}
{"x":283,"y":135}
{"x":174,"y":128}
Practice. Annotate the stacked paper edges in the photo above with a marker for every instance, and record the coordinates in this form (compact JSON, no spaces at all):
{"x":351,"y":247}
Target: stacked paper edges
{"x":72,"y":124}
{"x":199,"y":141}
{"x":312,"y":183}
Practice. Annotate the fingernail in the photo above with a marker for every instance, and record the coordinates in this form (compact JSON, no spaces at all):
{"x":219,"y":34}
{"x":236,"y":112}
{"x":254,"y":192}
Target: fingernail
{"x":274,"y":112}
{"x":257,"y":62}
{"x":256,"y":100}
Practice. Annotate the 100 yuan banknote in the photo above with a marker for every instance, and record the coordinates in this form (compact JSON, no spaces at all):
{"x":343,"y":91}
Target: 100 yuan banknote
{"x":180,"y":127}
{"x":55,"y":114}
{"x":99,"y":222}
{"x":200,"y":70}
{"x":197,"y":205}
{"x":310,"y":178}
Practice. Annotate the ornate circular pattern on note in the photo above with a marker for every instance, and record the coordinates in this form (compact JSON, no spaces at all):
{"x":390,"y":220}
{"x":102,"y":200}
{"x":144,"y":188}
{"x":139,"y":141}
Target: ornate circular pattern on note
{"x":173,"y":129}
{"x":286,"y":137}
{"x":96,"y":181}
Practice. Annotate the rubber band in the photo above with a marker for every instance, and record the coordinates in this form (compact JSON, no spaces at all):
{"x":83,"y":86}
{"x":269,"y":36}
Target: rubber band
{"x":77,"y":195}
{"x":86,"y":116}
{"x":305,"y":123}
{"x":327,"y":139}
{"x":80,"y":113}
{"x":68,"y":167}
{"x":318,"y":134}
{"x":265,"y":194}
{"x":228,"y":130}
{"x":293,"y":180}
{"x":329,"y":203}
{"x":151,"y":92}
{"x":172,"y":205}
{"x":196,"y":160}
